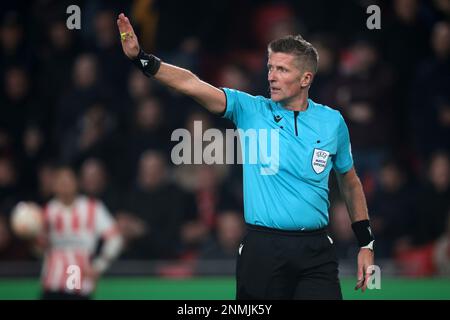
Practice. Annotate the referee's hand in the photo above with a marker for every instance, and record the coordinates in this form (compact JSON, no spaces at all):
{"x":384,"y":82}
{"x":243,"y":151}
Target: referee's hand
{"x":130,"y":43}
{"x":365,"y":259}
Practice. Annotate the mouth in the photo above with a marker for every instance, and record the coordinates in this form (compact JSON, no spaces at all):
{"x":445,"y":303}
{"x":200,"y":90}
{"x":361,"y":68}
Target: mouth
{"x":274,"y":90}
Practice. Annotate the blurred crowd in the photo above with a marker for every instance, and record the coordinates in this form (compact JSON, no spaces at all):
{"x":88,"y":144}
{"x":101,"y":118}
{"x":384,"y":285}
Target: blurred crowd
{"x":72,"y":96}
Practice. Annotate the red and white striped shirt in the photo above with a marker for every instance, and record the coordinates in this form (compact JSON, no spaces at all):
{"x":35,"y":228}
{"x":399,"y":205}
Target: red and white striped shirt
{"x":73,"y":233}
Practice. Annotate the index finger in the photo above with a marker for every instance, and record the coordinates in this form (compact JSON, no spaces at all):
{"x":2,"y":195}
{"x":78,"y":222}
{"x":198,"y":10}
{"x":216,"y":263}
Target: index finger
{"x":124,"y":24}
{"x":366,"y":281}
{"x":359,"y":283}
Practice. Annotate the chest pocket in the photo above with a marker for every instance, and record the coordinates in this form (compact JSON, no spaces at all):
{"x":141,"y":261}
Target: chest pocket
{"x":319,"y":160}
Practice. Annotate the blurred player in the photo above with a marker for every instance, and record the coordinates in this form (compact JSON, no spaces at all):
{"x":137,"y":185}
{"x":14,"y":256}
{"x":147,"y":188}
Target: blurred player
{"x":74,"y":224}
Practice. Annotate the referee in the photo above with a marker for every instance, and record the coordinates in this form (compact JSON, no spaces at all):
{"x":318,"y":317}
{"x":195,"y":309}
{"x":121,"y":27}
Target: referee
{"x":286,"y":253}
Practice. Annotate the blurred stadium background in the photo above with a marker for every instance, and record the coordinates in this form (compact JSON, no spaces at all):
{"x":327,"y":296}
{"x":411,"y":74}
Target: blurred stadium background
{"x":71,"y":95}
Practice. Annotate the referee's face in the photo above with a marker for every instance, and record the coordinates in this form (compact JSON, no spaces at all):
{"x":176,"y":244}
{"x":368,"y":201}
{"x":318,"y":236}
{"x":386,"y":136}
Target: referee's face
{"x":284,"y":77}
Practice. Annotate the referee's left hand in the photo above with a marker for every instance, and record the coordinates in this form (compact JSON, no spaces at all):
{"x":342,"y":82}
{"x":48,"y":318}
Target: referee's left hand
{"x":365,"y":259}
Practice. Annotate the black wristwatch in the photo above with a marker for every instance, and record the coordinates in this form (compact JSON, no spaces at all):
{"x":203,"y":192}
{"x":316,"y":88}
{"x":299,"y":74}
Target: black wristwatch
{"x":370,"y":245}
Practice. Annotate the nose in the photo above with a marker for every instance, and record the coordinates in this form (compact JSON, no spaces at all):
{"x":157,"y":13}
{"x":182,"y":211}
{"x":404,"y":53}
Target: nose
{"x":271,"y":76}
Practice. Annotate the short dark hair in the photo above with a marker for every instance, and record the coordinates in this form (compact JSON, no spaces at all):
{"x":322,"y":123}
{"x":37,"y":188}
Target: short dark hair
{"x":299,"y":47}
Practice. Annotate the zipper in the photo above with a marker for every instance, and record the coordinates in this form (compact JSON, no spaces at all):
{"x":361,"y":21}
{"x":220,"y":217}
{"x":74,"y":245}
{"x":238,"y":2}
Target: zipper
{"x":295,"y":122}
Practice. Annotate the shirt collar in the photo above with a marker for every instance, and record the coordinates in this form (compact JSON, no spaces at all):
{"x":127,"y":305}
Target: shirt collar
{"x":279,"y":107}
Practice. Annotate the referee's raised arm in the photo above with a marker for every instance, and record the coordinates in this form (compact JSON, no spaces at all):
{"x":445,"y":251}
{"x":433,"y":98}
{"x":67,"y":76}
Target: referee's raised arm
{"x":175,"y":77}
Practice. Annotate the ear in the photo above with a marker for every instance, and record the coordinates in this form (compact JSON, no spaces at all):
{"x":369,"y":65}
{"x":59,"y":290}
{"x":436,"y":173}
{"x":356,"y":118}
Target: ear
{"x":306,"y":79}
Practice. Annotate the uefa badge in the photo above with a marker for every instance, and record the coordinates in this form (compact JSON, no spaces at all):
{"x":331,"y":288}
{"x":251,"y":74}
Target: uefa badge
{"x":319,"y":160}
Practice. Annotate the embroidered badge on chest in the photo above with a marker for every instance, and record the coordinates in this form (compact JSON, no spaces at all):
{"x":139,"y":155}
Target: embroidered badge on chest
{"x":319,"y":160}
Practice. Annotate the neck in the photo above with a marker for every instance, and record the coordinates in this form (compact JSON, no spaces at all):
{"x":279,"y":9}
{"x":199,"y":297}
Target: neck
{"x":298,"y":103}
